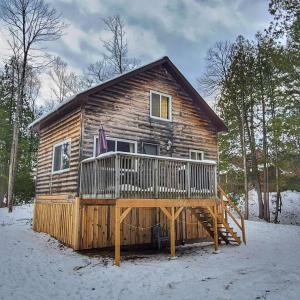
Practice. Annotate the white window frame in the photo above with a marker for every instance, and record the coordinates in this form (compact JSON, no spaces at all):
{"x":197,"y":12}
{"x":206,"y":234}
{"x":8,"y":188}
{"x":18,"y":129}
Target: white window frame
{"x":116,"y":140}
{"x":170,"y":105}
{"x":53,"y":149}
{"x":197,"y":152}
{"x":153,"y":144}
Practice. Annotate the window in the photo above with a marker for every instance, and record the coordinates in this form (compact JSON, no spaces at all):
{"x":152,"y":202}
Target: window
{"x":61,"y":157}
{"x":160,"y":106}
{"x":150,"y":149}
{"x":196,"y":155}
{"x":116,"y":145}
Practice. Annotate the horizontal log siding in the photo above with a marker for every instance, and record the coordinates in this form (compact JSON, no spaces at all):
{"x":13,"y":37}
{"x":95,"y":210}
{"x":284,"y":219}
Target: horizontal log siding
{"x":66,"y":182}
{"x":124,"y":111}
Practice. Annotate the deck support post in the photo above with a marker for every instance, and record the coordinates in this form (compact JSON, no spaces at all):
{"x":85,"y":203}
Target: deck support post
{"x":117,"y":236}
{"x":77,"y":224}
{"x":172,"y":232}
{"x":172,"y":217}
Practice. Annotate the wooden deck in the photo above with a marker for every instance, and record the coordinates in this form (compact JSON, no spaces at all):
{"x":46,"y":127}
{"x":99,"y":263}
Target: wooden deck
{"x":115,"y":185}
{"x":127,"y":175}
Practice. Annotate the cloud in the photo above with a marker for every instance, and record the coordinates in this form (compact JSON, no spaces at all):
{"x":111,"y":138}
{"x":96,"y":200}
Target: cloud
{"x":181,"y":29}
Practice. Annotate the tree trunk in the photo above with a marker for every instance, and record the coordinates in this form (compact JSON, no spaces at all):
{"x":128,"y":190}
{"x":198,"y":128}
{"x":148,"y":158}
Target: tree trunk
{"x":244,"y":153}
{"x":13,"y":161}
{"x":255,"y":173}
{"x":278,"y":197}
{"x":15,"y":138}
{"x":265,"y":173}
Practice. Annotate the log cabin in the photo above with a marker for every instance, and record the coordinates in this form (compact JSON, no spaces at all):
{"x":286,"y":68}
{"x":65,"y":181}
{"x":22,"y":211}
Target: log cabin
{"x":159,"y":171}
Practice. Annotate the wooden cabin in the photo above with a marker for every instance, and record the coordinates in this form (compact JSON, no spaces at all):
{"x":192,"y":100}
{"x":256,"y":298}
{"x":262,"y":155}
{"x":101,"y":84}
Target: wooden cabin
{"x":160,"y":170}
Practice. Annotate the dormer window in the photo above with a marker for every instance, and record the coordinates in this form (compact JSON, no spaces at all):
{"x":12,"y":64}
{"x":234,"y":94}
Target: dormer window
{"x":160,"y":106}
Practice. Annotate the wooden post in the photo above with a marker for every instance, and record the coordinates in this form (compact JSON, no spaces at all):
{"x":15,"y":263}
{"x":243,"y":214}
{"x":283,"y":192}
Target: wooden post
{"x":216,"y":182}
{"x":215,"y":221}
{"x":243,"y":230}
{"x":77,"y":224}
{"x":117,"y":176}
{"x":188,"y":179}
{"x":156,"y":179}
{"x":172,"y":232}
{"x":117,"y":236}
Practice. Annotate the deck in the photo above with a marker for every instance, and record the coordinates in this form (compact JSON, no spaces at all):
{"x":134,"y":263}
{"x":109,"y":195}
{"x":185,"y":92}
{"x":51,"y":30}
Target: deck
{"x":131,"y":180}
{"x":116,"y":175}
{"x":115,"y":186}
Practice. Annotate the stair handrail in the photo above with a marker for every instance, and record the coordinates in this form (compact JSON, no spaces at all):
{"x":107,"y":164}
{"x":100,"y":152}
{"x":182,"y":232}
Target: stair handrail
{"x":227,"y":211}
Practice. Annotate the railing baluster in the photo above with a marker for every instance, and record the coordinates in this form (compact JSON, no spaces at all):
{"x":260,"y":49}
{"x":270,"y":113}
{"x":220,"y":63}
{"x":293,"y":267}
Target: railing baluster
{"x":117,"y":176}
{"x":123,"y":175}
{"x":188,"y":179}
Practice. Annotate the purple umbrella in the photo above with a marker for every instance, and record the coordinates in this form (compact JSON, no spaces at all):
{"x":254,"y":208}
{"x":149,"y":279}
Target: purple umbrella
{"x":102,"y":143}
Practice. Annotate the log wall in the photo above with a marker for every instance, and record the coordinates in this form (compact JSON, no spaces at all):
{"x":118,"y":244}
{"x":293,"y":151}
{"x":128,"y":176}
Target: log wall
{"x":67,"y":128}
{"x":124,"y":111}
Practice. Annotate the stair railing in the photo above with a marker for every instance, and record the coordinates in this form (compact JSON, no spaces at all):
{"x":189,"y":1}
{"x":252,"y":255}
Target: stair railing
{"x":227,"y":204}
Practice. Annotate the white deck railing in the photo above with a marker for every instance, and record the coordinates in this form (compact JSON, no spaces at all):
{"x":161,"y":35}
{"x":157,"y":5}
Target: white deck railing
{"x":129,"y":175}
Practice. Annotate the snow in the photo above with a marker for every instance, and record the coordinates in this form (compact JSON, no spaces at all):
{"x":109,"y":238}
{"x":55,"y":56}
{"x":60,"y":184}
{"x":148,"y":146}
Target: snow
{"x":290,"y":213}
{"x":35,"y":266}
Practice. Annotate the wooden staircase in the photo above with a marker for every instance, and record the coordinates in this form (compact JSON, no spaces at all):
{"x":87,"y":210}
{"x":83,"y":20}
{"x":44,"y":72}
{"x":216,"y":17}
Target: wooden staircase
{"x":226,"y":208}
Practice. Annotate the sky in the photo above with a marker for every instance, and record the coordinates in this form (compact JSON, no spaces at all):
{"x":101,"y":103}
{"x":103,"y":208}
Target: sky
{"x":184,"y":30}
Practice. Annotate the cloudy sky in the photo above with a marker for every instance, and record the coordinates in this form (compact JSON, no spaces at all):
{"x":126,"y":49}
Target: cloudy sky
{"x":182,"y":29}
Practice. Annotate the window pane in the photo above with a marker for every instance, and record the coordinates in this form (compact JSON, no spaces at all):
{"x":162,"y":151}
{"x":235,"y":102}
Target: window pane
{"x":164,"y":107}
{"x":96,"y":146}
{"x":155,"y":102}
{"x":57,"y":158}
{"x":111,"y":146}
{"x":193,"y":155}
{"x":199,"y":156}
{"x":125,"y":147}
{"x":150,"y":149}
{"x":66,"y":156}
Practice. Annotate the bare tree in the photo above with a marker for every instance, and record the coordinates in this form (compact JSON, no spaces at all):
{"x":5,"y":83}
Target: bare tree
{"x":115,"y":59}
{"x":29,"y":24}
{"x":65,"y":82}
{"x":59,"y":76}
{"x":218,"y":59}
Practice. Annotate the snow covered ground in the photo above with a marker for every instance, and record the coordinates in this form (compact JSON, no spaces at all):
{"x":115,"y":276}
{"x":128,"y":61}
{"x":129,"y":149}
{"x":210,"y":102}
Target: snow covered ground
{"x":35,"y":266}
{"x":290,"y":213}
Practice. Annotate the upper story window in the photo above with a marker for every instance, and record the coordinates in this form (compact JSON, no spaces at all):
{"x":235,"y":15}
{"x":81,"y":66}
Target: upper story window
{"x":150,"y":149}
{"x":160,"y":106}
{"x":61,"y":157}
{"x":196,"y":155}
{"x":116,"y":145}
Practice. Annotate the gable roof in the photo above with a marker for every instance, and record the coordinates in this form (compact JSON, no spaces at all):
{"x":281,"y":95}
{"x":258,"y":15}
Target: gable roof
{"x":79,"y":98}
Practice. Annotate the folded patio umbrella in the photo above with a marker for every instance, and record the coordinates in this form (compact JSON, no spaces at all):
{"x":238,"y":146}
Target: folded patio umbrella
{"x":102,"y":143}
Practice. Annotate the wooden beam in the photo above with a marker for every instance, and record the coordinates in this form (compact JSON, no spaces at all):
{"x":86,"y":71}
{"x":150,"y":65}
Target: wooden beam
{"x":172,"y":232}
{"x":55,"y":197}
{"x":94,"y":201}
{"x":117,"y":237}
{"x":178,"y":212}
{"x":209,"y":202}
{"x":124,"y":214}
{"x":166,"y":212}
{"x":213,"y":213}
